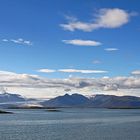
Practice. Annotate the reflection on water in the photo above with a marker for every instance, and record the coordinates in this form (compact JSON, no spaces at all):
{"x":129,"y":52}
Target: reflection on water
{"x":71,"y":124}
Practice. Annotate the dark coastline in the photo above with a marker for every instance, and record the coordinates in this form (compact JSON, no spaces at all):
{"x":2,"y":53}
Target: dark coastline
{"x":5,"y":112}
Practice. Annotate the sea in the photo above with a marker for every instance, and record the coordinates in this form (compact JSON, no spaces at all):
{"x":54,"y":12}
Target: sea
{"x":71,"y":124}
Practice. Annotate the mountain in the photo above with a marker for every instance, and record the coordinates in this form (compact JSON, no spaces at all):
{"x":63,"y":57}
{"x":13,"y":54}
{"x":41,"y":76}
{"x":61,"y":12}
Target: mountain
{"x":112,"y":101}
{"x":74,"y":100}
{"x":9,"y":100}
{"x":8,"y":97}
{"x":98,"y":101}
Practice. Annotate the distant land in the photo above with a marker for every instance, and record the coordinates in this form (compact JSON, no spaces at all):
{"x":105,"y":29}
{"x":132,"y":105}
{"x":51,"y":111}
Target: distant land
{"x":8,"y":100}
{"x":15,"y":100}
{"x":8,"y":97}
{"x":5,"y":112}
{"x":98,"y":101}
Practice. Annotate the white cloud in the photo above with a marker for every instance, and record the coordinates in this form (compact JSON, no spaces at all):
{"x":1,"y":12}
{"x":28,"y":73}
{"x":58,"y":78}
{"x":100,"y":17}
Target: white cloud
{"x":18,"y":41}
{"x":72,"y":71}
{"x":47,"y":70}
{"x":136,"y":72}
{"x":36,"y":86}
{"x":111,"y":49}
{"x":5,"y":40}
{"x":105,"y":18}
{"x":112,"y":18}
{"x":80,"y":42}
{"x":21,"y":41}
{"x":82,"y":71}
{"x":96,"y":62}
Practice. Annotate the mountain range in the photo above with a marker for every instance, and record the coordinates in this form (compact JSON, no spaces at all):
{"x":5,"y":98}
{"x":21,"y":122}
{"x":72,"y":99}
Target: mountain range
{"x":98,"y":101}
{"x":74,"y":100}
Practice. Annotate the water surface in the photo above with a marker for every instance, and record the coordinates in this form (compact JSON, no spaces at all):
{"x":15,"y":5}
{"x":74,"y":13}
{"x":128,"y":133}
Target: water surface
{"x":71,"y":124}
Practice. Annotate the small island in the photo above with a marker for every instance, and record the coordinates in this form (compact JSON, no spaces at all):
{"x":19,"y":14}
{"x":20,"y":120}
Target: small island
{"x":53,"y":110}
{"x":5,"y":112}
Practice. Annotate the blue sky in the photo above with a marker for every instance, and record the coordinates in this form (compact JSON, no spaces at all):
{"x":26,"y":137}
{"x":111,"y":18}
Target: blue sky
{"x":47,"y":38}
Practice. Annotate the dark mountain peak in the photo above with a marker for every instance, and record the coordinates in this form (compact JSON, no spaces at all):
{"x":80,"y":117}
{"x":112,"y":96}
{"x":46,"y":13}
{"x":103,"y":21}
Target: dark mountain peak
{"x":73,"y":95}
{"x":66,"y":95}
{"x":68,"y":100}
{"x":8,"y":97}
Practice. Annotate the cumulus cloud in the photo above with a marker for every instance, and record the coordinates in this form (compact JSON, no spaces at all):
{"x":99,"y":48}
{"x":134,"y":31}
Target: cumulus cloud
{"x":111,"y":49}
{"x":82,"y":71}
{"x":47,"y":70}
{"x":80,"y":42}
{"x":18,"y":41}
{"x":104,"y":18}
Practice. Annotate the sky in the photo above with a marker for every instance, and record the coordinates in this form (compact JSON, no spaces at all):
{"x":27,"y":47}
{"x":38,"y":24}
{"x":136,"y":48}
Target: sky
{"x":50,"y":47}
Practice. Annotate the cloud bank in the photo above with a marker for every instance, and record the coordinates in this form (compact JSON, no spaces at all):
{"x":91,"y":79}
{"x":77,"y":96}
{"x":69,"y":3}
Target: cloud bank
{"x":44,"y":87}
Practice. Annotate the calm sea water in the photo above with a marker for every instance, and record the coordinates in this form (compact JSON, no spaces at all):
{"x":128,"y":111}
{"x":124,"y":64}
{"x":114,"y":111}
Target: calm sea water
{"x":71,"y":124}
